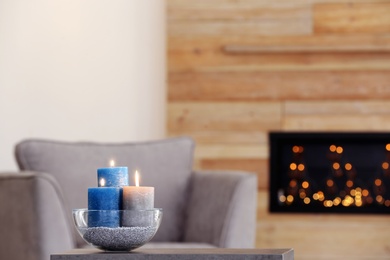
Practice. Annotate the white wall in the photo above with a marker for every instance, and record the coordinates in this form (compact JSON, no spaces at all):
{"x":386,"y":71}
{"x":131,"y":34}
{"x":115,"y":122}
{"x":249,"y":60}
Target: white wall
{"x":81,"y":70}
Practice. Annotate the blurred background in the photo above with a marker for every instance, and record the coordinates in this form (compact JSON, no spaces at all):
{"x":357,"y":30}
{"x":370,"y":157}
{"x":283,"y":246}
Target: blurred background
{"x":81,"y":71}
{"x":225,"y":72}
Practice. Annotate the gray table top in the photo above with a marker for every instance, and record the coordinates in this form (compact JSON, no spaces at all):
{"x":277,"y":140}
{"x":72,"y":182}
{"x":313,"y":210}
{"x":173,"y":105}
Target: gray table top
{"x":171,"y":254}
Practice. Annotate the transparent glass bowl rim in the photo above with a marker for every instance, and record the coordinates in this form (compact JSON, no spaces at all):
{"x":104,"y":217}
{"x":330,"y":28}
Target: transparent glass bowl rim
{"x":118,"y":210}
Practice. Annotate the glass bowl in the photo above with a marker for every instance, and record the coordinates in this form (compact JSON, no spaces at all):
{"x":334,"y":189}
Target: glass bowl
{"x":117,"y":230}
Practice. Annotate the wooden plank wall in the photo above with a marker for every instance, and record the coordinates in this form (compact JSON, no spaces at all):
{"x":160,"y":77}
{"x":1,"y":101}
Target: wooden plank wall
{"x":241,"y":68}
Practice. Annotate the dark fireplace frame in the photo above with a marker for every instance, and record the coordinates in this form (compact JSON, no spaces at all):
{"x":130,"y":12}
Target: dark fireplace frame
{"x":368,"y":148}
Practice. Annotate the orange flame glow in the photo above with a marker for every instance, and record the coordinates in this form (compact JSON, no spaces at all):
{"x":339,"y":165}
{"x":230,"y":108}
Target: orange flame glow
{"x":136,"y":178}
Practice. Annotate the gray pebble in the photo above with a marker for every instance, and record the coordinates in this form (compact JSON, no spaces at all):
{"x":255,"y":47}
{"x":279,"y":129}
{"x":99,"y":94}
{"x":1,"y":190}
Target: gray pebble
{"x":119,"y":239}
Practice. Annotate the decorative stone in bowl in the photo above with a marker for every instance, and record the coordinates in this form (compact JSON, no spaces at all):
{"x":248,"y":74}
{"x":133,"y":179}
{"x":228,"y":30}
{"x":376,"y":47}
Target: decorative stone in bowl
{"x":117,"y":230}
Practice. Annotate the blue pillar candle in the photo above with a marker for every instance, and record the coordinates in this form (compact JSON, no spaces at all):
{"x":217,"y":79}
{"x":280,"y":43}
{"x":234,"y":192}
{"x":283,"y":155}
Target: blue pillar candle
{"x":106,"y":201}
{"x":113,"y":177}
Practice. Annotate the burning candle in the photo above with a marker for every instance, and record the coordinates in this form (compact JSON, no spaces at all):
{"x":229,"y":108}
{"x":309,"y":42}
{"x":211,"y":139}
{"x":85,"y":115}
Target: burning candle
{"x":103,"y":206}
{"x":137,"y":199}
{"x":105,"y":200}
{"x":113,"y":176}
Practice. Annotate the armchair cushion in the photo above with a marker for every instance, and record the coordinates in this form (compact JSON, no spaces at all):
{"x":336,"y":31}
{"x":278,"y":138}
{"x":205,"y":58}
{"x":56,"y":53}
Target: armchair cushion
{"x":160,"y":162}
{"x":34,"y":223}
{"x":222,"y":209}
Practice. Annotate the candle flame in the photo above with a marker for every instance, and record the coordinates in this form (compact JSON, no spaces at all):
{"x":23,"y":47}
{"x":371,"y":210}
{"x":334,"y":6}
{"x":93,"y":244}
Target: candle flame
{"x":136,"y":178}
{"x":102,"y":182}
{"x":112,"y":163}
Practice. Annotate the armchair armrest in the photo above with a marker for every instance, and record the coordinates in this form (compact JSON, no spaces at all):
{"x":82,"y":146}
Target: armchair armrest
{"x":33,"y":221}
{"x":222,"y":209}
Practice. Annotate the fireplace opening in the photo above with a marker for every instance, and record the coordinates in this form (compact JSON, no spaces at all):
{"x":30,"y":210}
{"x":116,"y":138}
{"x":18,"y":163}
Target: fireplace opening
{"x":329,"y":172}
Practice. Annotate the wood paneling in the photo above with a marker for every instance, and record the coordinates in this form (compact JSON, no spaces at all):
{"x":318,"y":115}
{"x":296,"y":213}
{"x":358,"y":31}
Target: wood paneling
{"x":205,"y":5}
{"x":201,"y":53}
{"x":218,"y":61}
{"x":301,"y":49}
{"x":278,"y":85}
{"x":354,"y":115}
{"x":241,"y":68}
{"x":342,"y":107}
{"x":229,"y":151}
{"x":227,"y":137}
{"x":200,"y":44}
{"x":186,"y":117}
{"x":298,"y":23}
{"x":345,"y":18}
{"x":237,"y":13}
{"x":237,"y":19}
{"x":337,"y":123}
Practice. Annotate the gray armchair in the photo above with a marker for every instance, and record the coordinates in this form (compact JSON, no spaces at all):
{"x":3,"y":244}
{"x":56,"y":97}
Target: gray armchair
{"x":201,"y":209}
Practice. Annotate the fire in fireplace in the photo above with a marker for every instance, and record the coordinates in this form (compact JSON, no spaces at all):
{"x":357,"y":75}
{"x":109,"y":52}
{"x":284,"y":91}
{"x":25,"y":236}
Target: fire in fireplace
{"x":329,"y":172}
